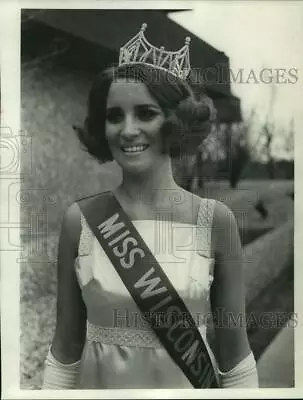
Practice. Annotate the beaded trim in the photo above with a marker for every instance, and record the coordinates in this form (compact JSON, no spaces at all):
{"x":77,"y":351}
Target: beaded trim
{"x":204,"y":226}
{"x":86,"y":238}
{"x":126,"y":336}
{"x":122,"y":336}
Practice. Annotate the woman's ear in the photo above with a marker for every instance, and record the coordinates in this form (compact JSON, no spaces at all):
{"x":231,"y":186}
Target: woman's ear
{"x":168,"y":132}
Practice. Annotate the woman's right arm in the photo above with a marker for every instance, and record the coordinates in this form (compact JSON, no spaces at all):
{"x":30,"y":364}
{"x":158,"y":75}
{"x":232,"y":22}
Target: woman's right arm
{"x":70,"y":332}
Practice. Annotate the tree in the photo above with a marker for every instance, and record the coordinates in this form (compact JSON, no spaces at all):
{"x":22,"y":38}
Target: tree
{"x":268,"y":132}
{"x":289,"y":145}
{"x":240,"y":154}
{"x":237,"y":150}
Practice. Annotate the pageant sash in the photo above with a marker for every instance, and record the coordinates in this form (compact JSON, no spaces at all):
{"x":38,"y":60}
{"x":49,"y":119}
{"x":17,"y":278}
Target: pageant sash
{"x":150,"y":288}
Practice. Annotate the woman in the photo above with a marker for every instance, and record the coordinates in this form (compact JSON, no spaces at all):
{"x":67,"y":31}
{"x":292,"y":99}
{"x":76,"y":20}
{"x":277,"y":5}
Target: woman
{"x":101,"y":341}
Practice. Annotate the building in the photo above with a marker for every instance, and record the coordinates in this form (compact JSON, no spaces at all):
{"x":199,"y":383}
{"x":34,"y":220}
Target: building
{"x":61,"y":52}
{"x":91,"y":39}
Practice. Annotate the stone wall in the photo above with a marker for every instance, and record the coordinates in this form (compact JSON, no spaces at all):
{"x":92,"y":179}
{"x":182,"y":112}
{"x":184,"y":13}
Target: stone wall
{"x":53,"y":99}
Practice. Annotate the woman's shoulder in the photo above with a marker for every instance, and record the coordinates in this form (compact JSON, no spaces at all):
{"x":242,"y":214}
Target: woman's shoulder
{"x":86,"y":200}
{"x":225,"y":231}
{"x":217,"y":213}
{"x":71,"y":223}
{"x":202,"y":203}
{"x":223,"y":216}
{"x":198,"y":209}
{"x":72,"y":216}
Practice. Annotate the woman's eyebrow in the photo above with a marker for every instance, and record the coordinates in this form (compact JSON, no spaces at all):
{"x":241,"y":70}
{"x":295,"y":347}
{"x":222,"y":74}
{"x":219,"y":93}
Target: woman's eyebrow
{"x":143,"y":105}
{"x":148,"y":105}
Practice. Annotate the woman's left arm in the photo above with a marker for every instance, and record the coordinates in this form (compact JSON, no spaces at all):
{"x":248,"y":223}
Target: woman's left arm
{"x":227,"y":297}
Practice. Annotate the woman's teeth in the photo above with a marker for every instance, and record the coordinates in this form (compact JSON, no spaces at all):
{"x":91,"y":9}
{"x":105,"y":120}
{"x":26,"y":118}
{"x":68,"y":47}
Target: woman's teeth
{"x":135,"y":149}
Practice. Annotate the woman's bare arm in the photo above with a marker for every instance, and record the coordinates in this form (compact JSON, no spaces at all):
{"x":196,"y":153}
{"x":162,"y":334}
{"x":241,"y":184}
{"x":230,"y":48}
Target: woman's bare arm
{"x":70,"y":330}
{"x":227,"y":293}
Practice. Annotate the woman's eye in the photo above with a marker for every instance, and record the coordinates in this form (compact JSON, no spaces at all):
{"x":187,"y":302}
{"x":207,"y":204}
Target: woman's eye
{"x":114,"y":116}
{"x":146,"y":114}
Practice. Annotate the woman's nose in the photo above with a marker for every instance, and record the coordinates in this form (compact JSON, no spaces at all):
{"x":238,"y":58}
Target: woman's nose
{"x":130,"y":127}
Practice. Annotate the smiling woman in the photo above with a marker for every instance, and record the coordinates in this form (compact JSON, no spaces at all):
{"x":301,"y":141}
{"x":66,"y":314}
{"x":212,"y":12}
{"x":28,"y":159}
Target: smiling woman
{"x":149,"y":249}
{"x":133,"y":125}
{"x":187,"y":119}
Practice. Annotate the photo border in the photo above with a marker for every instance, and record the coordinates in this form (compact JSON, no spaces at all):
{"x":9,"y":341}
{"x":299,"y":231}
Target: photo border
{"x":10,"y":28}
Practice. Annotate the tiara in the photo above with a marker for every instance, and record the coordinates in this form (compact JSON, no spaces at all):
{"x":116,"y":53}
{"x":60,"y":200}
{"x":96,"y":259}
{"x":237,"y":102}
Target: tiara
{"x":139,"y":51}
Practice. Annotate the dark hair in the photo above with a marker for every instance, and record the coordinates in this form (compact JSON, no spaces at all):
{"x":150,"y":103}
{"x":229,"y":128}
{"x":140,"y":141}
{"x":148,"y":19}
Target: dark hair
{"x":188,"y":117}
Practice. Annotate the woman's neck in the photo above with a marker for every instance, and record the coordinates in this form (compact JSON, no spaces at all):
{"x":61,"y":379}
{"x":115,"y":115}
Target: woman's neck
{"x":152,"y":188}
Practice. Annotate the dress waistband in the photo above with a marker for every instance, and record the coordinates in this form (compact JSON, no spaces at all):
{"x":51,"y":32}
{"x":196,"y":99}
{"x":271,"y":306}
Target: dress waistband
{"x":122,"y":336}
{"x":126,"y":336}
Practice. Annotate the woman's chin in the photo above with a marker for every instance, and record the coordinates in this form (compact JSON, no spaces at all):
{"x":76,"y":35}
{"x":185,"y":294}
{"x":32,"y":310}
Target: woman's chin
{"x":135,"y":163}
{"x":141,"y":163}
{"x":135,"y":166}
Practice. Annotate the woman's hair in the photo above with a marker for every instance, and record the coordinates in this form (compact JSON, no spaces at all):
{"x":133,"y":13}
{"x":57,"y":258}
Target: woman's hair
{"x":188,"y":116}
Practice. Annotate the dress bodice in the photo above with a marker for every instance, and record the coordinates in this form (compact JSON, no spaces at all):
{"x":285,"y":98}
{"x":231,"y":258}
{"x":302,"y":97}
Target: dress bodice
{"x":116,"y":330}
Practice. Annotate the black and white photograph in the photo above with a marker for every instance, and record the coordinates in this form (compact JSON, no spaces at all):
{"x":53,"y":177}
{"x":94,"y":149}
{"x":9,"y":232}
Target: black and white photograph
{"x":155,"y":178}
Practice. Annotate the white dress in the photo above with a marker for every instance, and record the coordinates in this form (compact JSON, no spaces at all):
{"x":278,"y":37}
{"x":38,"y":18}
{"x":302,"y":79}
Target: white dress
{"x":121,"y":350}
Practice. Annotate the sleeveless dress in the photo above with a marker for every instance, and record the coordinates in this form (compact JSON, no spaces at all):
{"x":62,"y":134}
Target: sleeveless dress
{"x":121,"y":350}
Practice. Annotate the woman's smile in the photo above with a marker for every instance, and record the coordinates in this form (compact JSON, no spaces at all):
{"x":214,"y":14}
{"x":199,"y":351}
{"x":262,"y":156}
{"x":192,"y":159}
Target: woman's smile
{"x":134,"y":149}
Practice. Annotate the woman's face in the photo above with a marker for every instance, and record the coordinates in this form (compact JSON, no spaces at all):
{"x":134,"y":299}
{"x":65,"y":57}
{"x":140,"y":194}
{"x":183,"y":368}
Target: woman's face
{"x":133,"y":124}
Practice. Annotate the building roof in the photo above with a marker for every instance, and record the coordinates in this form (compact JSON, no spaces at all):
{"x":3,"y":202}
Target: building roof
{"x":112,"y":28}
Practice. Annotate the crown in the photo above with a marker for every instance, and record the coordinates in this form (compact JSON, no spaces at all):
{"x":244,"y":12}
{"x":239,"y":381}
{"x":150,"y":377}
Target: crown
{"x":139,"y":51}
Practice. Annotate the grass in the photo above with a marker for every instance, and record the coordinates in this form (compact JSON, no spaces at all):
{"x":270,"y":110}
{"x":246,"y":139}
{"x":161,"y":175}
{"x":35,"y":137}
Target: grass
{"x":266,"y":257}
{"x":278,"y":300}
{"x":38,"y":322}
